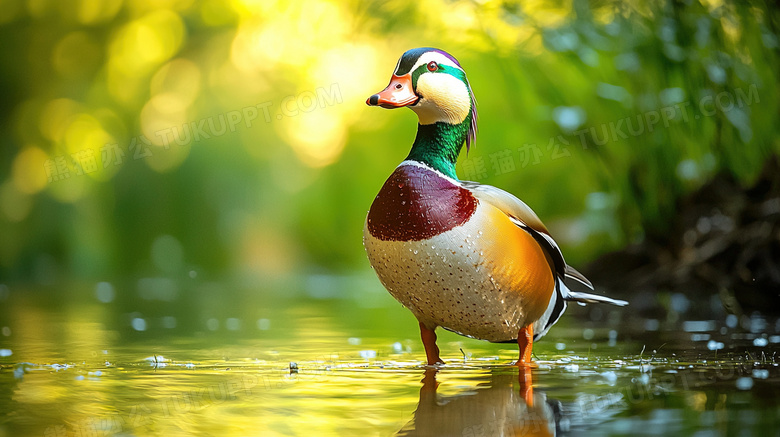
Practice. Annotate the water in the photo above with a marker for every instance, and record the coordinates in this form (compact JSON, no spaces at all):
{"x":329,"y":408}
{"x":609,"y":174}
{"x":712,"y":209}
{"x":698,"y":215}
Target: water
{"x":225,"y":362}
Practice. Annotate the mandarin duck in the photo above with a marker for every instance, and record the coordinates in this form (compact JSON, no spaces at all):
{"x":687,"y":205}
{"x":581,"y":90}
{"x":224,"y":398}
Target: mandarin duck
{"x":467,"y":257}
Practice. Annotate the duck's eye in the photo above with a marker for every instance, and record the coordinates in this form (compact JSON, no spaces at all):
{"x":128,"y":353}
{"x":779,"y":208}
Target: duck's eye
{"x":433,"y":66}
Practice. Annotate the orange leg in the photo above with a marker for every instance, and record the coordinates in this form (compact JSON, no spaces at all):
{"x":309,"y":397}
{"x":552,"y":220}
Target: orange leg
{"x":429,"y":382}
{"x":526,"y":381}
{"x":525,"y":341}
{"x":429,"y":342}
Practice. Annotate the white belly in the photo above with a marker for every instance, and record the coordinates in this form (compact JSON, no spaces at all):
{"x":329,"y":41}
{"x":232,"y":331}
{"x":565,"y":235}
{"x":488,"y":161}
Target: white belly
{"x":447,"y":281}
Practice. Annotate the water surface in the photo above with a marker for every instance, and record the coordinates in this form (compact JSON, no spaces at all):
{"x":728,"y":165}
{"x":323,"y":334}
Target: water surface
{"x":224,"y":362}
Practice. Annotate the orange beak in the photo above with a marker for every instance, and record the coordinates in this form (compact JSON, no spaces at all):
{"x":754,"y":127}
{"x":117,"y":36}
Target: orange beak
{"x":398,"y":94}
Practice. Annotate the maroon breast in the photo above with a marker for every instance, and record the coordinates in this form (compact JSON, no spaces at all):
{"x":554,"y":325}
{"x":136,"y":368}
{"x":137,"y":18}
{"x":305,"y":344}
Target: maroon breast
{"x":416,"y":203}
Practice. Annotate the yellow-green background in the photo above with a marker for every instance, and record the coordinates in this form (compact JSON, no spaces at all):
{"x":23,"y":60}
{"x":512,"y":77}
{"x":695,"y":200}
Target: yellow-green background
{"x":287,"y":196}
{"x":136,"y":284}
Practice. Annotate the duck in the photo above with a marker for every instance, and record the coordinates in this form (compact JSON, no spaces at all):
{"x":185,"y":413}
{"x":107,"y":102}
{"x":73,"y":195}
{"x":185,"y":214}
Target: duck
{"x":463,"y":256}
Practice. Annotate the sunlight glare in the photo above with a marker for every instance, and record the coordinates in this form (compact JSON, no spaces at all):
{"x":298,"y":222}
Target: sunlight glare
{"x":318,"y":138}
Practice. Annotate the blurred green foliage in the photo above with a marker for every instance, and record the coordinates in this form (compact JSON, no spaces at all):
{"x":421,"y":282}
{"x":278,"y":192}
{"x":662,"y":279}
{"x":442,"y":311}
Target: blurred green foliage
{"x":145,"y":138}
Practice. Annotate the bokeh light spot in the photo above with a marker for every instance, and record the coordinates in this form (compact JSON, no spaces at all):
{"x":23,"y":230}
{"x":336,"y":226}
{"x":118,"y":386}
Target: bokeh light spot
{"x":167,"y":254}
{"x":233,"y":324}
{"x":180,"y":78}
{"x":56,"y":117}
{"x":85,"y":133}
{"x":91,"y":11}
{"x":29,"y":172}
{"x":263,"y":324}
{"x":104,"y":292}
{"x":75,"y":54}
{"x":138,"y":324}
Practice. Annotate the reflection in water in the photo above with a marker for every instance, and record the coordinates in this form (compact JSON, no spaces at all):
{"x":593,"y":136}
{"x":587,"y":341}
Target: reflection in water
{"x":506,"y":405}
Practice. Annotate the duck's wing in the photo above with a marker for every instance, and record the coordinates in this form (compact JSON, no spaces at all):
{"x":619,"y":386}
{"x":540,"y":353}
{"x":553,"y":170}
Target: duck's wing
{"x":523,"y":216}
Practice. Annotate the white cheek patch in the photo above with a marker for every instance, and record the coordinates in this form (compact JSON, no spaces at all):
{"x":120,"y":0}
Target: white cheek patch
{"x":444,"y":98}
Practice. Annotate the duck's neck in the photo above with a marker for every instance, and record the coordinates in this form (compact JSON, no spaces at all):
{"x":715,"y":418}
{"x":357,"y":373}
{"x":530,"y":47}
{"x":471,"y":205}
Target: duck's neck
{"x":438,"y":145}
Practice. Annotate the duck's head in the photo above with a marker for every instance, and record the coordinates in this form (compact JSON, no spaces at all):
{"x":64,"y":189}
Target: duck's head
{"x":431,"y":83}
